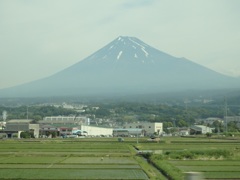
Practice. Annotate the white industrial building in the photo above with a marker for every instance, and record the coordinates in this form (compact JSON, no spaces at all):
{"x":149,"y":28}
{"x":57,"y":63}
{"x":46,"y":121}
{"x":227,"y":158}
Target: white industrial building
{"x":70,"y":130}
{"x":97,"y":131}
{"x":64,"y":120}
{"x":72,"y":124}
{"x":147,"y":127}
{"x":128,"y":132}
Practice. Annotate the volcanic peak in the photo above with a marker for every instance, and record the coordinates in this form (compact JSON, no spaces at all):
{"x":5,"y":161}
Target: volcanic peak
{"x":134,"y":43}
{"x":123,"y":49}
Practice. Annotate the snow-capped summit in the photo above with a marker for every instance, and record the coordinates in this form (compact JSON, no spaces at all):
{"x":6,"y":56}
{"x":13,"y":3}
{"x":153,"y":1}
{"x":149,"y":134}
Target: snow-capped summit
{"x":125,"y":48}
{"x":125,"y":65}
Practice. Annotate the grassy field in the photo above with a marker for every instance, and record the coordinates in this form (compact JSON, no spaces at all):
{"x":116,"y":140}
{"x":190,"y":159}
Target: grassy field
{"x":213,"y":158}
{"x":106,"y":158}
{"x":218,"y":169}
{"x":72,"y":159}
{"x":72,"y":173}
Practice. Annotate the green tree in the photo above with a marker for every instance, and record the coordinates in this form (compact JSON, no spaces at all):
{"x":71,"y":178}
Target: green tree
{"x":102,"y":112}
{"x":232,"y":127}
{"x":182,"y":123}
{"x":218,"y":125}
{"x":26,"y":134}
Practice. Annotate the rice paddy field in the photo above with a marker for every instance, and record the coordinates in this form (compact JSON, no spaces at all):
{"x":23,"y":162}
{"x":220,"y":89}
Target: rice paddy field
{"x":211,"y":163}
{"x":106,"y":158}
{"x":72,"y":159}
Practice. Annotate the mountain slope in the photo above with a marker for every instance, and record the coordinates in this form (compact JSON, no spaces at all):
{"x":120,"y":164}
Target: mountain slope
{"x":126,"y":65}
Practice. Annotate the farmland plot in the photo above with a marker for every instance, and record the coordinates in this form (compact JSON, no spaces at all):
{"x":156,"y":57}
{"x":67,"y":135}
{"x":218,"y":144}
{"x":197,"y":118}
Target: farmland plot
{"x":218,"y":169}
{"x":213,"y":158}
{"x":68,"y":160}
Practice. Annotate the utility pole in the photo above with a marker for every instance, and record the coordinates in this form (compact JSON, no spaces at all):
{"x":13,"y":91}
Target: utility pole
{"x":225,"y":113}
{"x":27,"y":112}
{"x":137,"y":137}
{"x":174,"y":123}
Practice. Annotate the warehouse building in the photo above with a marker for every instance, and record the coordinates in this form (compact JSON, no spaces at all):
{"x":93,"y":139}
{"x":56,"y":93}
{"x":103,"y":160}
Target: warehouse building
{"x":66,"y":131}
{"x":128,"y":132}
{"x":65,"y":120}
{"x":147,"y":127}
{"x":97,"y":131}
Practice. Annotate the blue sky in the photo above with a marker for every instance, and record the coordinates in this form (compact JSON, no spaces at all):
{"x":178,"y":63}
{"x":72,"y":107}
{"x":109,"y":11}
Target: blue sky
{"x":42,"y":37}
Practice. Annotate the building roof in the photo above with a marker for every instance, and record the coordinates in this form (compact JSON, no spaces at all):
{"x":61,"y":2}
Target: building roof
{"x":58,"y":125}
{"x":20,"y":121}
{"x":128,"y":129}
{"x":199,"y":127}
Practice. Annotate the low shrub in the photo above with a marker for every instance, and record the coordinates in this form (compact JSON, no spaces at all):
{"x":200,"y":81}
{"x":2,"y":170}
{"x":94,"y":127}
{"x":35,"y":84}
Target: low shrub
{"x":216,"y":153}
{"x":179,"y":155}
{"x":195,"y":154}
{"x":169,"y":170}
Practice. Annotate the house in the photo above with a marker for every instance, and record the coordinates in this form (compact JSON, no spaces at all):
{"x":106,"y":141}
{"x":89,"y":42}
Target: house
{"x":184,"y":132}
{"x":16,"y":126}
{"x":47,"y":130}
{"x":200,"y":129}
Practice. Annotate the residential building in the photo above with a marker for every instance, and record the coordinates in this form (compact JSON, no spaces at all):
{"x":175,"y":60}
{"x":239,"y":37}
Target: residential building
{"x":200,"y":129}
{"x":16,"y":126}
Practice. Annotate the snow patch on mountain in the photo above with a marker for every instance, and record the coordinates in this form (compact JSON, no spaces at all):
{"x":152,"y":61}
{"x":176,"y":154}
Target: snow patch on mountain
{"x":119,"y":54}
{"x":141,"y":46}
{"x":146,"y":53}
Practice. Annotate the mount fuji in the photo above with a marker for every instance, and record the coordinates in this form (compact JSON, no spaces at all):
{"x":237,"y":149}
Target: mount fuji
{"x":125,"y":66}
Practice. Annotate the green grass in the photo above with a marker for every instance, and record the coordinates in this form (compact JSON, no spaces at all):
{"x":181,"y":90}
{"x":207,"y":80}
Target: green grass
{"x":215,"y":158}
{"x":149,"y":170}
{"x":222,"y":175}
{"x":100,"y":160}
{"x":72,"y":174}
{"x":68,"y":160}
{"x":210,"y":168}
{"x":82,"y":158}
{"x":31,"y":159}
{"x":68,"y":166}
{"x":206,"y":163}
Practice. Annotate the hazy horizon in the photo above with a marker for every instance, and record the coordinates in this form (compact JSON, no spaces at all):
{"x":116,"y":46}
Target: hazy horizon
{"x":40,"y":38}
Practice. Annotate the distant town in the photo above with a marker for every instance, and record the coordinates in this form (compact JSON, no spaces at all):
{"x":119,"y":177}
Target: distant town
{"x":74,"y":120}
